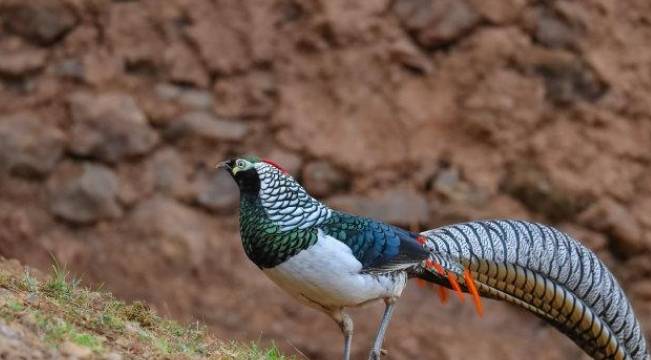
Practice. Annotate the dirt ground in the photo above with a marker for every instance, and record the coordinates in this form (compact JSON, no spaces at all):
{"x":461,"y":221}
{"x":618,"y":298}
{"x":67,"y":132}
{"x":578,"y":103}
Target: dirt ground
{"x":417,"y":112}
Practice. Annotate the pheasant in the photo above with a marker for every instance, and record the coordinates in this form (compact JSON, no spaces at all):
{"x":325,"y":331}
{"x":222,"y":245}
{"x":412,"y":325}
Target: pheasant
{"x":331,"y":260}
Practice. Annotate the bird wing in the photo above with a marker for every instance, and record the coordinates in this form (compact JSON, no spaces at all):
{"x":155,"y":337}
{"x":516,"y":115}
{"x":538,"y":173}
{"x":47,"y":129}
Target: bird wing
{"x":379,"y":247}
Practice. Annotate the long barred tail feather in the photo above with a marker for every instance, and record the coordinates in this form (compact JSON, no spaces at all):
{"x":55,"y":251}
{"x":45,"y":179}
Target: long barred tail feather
{"x":540,"y":269}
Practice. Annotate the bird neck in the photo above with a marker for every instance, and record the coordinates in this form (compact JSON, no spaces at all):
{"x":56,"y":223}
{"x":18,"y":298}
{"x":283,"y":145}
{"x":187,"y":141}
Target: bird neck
{"x":287,"y":204}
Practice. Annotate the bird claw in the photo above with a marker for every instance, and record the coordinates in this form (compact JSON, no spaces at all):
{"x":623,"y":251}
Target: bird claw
{"x":375,"y":355}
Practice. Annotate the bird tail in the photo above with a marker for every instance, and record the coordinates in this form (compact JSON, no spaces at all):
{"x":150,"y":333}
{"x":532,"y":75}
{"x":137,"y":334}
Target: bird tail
{"x":542,"y":270}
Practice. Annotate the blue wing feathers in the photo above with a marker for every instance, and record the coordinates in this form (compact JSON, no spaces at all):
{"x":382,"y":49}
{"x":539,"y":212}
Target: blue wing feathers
{"x":376,"y":245}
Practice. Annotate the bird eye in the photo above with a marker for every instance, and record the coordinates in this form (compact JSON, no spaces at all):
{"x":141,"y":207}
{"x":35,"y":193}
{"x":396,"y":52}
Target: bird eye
{"x":240,"y":163}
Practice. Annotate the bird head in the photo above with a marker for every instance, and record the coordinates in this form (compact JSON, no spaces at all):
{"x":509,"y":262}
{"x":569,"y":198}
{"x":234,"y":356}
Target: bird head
{"x":284,"y":200}
{"x":249,"y":171}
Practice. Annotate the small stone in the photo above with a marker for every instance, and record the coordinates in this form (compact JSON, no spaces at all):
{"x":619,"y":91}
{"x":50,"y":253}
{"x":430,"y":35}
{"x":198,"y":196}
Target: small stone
{"x":9,"y":333}
{"x":40,"y":21}
{"x":75,"y":351}
{"x":322,"y":179}
{"x":196,"y":99}
{"x":109,"y":127}
{"x":85,"y":194}
{"x":569,"y":80}
{"x":552,"y":31}
{"x":449,"y":184}
{"x":437,"y":22}
{"x":206,"y":126}
{"x":167,"y":92}
{"x":113,"y":356}
{"x":28,"y":145}
{"x":192,"y":98}
{"x":609,"y":216}
{"x":72,"y":68}
{"x":21,"y":63}
{"x":400,"y":206}
{"x":33,"y":300}
{"x":216,"y":191}
{"x":169,"y":173}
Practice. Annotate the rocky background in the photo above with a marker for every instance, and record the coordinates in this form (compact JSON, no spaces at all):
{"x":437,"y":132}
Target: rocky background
{"x":417,"y":112}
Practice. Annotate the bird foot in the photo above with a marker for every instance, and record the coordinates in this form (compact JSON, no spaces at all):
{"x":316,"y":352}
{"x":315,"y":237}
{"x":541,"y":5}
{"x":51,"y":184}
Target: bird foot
{"x":375,"y":355}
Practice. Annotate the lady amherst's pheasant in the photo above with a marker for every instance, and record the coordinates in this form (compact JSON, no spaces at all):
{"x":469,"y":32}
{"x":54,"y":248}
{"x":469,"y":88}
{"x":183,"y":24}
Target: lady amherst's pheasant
{"x":331,"y":260}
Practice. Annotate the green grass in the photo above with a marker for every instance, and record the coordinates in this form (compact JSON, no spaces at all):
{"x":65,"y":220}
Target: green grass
{"x":59,"y":286}
{"x":58,"y":309}
{"x":56,"y":330}
{"x":251,"y":351}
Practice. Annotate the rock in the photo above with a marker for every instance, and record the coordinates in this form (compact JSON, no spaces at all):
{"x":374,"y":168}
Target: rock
{"x":84,"y":194}
{"x":109,"y":127}
{"x":40,"y":21}
{"x":136,"y":182}
{"x":613,"y":218}
{"x":437,"y":22}
{"x":192,"y":98}
{"x":534,"y":188}
{"x":499,"y":11}
{"x":400,"y":206}
{"x":179,"y":233}
{"x":220,"y":37}
{"x":28,"y":145}
{"x":449,"y":184}
{"x":169,"y":173}
{"x":250,"y":95}
{"x":550,"y":29}
{"x":504,"y":106}
{"x":569,"y":80}
{"x":323,"y":179}
{"x":183,"y":66}
{"x":406,"y":53}
{"x":16,"y":64}
{"x":75,"y":351}
{"x":216,"y":191}
{"x":206,"y":126}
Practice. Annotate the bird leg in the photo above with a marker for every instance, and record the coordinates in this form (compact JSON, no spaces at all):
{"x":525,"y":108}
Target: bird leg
{"x":346,"y":325}
{"x":388,"y":311}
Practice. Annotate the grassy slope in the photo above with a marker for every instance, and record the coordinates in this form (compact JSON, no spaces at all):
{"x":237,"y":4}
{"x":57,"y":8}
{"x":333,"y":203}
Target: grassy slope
{"x":49,"y":316}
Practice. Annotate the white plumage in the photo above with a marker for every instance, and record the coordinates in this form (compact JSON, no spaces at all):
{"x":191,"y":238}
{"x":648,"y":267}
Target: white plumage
{"x":329,"y":274}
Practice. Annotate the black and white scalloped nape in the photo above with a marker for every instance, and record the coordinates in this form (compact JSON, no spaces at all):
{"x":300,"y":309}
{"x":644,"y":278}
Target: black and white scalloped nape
{"x":286,"y":202}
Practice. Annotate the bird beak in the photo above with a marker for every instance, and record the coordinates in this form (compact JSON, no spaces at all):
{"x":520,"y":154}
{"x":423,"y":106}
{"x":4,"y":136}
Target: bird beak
{"x":224,"y":165}
{"x":229,"y":165}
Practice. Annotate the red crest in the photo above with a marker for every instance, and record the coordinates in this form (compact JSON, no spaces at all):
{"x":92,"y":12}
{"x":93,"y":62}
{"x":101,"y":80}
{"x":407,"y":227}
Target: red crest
{"x":274,"y":164}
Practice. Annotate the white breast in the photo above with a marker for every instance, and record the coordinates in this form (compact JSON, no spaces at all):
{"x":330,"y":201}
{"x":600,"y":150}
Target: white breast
{"x":329,"y":274}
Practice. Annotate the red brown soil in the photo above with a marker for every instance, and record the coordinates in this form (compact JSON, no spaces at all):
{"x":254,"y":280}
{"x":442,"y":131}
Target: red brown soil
{"x":113,"y":112}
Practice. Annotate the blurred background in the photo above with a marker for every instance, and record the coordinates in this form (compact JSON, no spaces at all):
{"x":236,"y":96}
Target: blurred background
{"x":416,"y":112}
